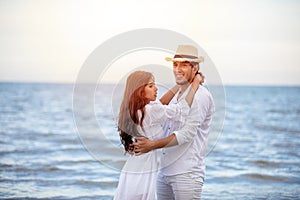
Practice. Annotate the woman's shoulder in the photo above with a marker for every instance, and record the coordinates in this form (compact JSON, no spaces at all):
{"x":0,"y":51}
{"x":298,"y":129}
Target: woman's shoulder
{"x":154,"y":110}
{"x":153,"y":105}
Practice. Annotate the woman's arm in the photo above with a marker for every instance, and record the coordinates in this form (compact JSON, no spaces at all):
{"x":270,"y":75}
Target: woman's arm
{"x":194,"y":87}
{"x":160,"y":113}
{"x":166,"y":98}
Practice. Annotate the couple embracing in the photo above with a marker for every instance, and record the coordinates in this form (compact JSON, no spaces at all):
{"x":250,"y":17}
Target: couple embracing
{"x":178,"y":124}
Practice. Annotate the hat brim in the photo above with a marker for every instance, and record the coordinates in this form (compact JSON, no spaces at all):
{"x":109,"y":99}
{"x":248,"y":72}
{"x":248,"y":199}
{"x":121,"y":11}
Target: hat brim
{"x":197,"y":60}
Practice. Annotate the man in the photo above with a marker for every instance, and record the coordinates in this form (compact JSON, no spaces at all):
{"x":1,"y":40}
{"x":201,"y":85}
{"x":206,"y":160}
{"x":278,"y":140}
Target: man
{"x":182,"y":170}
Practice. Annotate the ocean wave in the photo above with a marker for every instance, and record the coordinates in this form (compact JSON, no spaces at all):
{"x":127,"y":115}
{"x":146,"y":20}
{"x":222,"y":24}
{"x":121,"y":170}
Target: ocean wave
{"x":264,"y":177}
{"x":276,"y":128}
{"x":250,"y":177}
{"x":264,"y":163}
{"x":31,"y":169}
{"x":100,"y":184}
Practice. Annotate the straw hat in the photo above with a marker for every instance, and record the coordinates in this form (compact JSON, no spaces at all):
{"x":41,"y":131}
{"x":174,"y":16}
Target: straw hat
{"x":186,"y":53}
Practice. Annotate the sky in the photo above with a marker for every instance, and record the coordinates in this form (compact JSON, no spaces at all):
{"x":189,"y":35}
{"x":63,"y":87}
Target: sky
{"x":250,"y":42}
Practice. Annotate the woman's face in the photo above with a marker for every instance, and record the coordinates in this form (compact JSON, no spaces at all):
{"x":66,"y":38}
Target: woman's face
{"x":151,"y":90}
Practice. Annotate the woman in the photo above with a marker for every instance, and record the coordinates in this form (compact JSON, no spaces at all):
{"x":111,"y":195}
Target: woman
{"x":140,"y":114}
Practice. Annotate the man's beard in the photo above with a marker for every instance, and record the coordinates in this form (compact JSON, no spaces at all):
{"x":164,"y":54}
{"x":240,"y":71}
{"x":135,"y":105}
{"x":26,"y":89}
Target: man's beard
{"x":183,"y":81}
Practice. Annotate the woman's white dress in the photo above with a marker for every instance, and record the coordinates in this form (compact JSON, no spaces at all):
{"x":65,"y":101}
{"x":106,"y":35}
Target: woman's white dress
{"x":138,"y":177}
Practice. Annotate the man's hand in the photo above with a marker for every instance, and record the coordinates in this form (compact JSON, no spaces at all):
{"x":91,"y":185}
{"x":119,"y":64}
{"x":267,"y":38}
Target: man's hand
{"x":143,"y":145}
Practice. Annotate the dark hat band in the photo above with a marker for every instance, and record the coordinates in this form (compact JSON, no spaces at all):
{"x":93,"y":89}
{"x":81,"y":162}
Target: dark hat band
{"x":185,"y":56}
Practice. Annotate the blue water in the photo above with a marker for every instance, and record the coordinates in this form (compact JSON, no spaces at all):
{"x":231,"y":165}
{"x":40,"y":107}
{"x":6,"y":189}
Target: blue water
{"x":42,"y":155}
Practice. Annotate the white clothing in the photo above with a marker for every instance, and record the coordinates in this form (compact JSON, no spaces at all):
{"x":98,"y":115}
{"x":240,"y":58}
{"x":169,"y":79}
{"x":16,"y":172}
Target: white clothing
{"x":183,"y":186}
{"x":138,"y":177}
{"x":192,"y":136}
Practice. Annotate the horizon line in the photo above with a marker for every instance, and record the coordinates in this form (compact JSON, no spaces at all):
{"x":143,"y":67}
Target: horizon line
{"x":112,"y":83}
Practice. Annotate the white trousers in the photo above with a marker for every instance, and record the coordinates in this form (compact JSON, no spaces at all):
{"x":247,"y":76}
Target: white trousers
{"x":179,"y":187}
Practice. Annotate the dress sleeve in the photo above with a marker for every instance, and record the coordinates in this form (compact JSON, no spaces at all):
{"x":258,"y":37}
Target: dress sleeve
{"x":159,"y":113}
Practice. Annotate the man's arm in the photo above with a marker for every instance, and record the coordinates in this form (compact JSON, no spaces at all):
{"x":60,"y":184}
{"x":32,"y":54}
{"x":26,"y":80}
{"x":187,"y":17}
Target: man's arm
{"x":144,"y":145}
{"x":200,"y":114}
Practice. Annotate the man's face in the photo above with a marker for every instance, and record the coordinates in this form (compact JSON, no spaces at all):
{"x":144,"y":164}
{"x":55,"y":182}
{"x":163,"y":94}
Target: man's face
{"x":184,"y":72}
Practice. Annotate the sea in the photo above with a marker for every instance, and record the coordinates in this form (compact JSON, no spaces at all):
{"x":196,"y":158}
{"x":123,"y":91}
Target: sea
{"x":52,"y":147}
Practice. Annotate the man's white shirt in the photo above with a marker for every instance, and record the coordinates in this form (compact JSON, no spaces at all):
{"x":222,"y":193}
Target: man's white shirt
{"x":191,"y":134}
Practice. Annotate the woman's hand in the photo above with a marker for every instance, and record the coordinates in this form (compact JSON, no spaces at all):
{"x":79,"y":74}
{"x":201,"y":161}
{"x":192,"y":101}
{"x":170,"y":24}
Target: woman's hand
{"x":199,"y":78}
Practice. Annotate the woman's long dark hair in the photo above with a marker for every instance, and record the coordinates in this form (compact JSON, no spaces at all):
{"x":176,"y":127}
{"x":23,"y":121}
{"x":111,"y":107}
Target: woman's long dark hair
{"x":133,"y":101}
